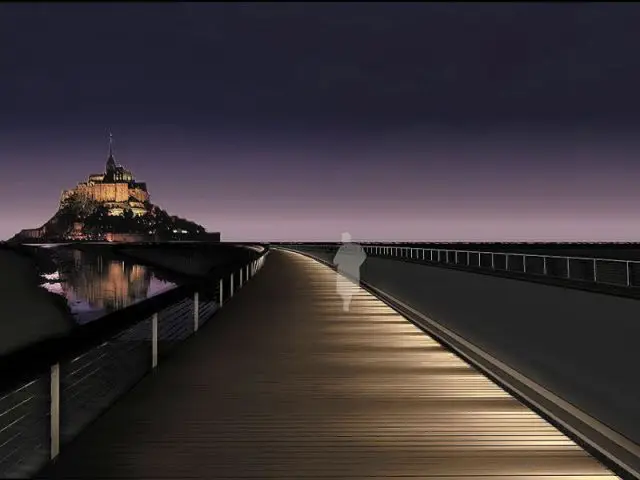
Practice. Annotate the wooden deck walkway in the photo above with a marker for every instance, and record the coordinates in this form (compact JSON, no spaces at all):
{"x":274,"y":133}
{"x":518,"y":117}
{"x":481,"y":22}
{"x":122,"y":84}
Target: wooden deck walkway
{"x":283,"y":384}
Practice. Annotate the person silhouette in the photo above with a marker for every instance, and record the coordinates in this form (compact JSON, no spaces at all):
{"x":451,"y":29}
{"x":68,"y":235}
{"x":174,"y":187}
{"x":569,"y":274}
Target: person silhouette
{"x":348,"y":261}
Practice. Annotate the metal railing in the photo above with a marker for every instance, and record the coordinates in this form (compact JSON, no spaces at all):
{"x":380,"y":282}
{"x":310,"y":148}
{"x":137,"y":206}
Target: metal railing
{"x":602,"y":271}
{"x":50,"y":391}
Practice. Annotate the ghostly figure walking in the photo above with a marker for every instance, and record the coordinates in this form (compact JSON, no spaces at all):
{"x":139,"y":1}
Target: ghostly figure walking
{"x":348,"y":261}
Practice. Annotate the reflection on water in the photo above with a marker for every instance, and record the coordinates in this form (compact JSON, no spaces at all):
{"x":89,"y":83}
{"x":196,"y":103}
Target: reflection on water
{"x":94,"y":285}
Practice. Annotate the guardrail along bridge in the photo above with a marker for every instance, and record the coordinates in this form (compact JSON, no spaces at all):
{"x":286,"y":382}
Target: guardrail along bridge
{"x":256,"y":371}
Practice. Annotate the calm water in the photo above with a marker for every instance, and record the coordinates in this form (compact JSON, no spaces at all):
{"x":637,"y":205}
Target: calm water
{"x":94,"y":284}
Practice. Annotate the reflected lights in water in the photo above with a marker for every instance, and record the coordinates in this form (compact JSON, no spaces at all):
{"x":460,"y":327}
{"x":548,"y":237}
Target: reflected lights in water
{"x":94,"y":286}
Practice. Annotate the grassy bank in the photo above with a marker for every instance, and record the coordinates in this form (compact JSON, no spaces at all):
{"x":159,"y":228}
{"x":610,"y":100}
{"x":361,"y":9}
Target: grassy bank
{"x":28,"y":313}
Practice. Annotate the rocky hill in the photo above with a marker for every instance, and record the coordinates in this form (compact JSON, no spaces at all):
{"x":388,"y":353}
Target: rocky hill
{"x":79,"y":219}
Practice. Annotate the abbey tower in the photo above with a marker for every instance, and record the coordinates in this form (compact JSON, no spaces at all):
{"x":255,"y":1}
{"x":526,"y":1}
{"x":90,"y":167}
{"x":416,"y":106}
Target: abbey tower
{"x":116,"y":188}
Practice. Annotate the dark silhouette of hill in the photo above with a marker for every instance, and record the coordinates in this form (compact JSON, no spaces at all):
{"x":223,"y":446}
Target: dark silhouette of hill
{"x":81,"y":219}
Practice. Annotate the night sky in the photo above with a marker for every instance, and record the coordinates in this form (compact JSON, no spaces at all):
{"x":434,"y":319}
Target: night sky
{"x":507,"y":122}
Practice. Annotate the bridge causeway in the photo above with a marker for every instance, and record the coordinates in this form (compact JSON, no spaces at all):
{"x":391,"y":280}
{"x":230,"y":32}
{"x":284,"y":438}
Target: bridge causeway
{"x":283,"y":384}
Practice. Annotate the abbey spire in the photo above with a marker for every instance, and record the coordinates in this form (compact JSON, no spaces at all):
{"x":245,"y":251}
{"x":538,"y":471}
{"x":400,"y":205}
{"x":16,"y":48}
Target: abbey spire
{"x":111,"y":163}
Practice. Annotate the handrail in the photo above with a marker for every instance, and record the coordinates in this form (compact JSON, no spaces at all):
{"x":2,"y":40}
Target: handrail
{"x":35,"y":358}
{"x":50,"y":390}
{"x":609,"y":272}
{"x":486,"y":252}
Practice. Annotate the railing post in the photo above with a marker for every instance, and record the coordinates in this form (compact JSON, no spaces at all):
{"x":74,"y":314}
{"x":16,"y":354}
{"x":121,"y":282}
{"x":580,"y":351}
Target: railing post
{"x":628,"y":264}
{"x":524,"y":263}
{"x":240,"y":278}
{"x":55,"y":410}
{"x":455,"y":256}
{"x":568,"y":268}
{"x":431,"y":255}
{"x":493,"y":261}
{"x":231,"y":286}
{"x":468,"y":258}
{"x":154,"y":340}
{"x":544,"y":265}
{"x":595,"y":271}
{"x":506,"y":262}
{"x":221,"y":288}
{"x":196,"y":311}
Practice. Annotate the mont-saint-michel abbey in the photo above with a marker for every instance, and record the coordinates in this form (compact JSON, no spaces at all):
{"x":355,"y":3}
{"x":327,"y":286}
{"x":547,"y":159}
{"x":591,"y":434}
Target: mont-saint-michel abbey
{"x":116,"y":189}
{"x":113,"y":206}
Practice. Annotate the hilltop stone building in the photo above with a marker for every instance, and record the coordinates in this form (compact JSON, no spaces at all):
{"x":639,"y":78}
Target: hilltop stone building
{"x":116,"y":189}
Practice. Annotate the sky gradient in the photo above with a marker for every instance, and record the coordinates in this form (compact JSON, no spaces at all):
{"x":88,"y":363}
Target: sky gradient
{"x":425,"y":122}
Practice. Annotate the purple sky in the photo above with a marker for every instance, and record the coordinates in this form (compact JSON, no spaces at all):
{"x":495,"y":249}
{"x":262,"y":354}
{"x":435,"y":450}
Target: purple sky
{"x":417,"y":122}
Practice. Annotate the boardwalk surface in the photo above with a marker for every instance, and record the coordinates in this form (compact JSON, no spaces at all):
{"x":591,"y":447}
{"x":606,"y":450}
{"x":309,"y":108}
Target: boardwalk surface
{"x":284,"y":384}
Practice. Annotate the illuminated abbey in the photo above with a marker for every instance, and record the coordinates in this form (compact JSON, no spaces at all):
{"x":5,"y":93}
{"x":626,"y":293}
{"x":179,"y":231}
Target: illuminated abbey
{"x":79,"y":218}
{"x":116,"y":189}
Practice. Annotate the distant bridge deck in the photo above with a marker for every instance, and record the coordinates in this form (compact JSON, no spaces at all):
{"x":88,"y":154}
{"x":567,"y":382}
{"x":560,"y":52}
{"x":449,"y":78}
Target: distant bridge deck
{"x":287,"y":385}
